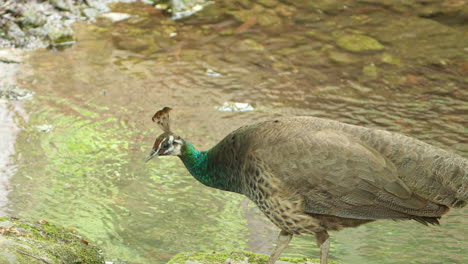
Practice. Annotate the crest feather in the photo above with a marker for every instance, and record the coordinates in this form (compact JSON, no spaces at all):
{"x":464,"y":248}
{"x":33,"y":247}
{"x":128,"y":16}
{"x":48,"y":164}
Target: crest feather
{"x":162,"y":118}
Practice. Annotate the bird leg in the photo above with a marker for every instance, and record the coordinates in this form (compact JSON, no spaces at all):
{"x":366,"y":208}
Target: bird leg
{"x":282,"y":242}
{"x":323,"y":242}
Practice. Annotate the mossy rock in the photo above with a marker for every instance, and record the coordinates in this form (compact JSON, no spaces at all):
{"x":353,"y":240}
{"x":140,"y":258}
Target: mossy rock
{"x":264,"y":16}
{"x":358,"y":43}
{"x":422,"y":40}
{"x":28,"y":242}
{"x":243,"y":257}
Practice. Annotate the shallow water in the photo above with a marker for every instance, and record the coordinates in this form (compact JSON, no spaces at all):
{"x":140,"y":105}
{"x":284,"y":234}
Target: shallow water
{"x":79,"y":158}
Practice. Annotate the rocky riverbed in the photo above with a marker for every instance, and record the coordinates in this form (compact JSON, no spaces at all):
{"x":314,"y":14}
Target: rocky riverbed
{"x":37,"y":24}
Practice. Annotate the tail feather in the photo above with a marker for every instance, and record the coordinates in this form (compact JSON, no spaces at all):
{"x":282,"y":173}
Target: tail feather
{"x":458,"y":204}
{"x":426,"y":220}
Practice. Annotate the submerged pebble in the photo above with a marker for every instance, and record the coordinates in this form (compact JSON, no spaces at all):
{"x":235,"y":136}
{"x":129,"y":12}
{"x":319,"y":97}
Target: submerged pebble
{"x":234,"y":107}
{"x":115,"y":16}
{"x":341,"y":57}
{"x":45,"y":128}
{"x":212,"y":73}
{"x":359,"y":43}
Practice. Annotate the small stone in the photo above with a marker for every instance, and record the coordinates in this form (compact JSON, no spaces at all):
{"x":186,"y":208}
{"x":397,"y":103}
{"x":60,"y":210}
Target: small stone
{"x":181,"y":9}
{"x":14,"y":93}
{"x":61,"y":4}
{"x":131,"y":44}
{"x":162,"y":6}
{"x":15,"y":33}
{"x":44,"y":129}
{"x":341,"y":57}
{"x":90,"y":12}
{"x":43,"y":222}
{"x":370,"y":71}
{"x":359,"y":43}
{"x":285,"y":10}
{"x":58,"y":34}
{"x":116,"y":17}
{"x":359,"y":88}
{"x":329,"y":6}
{"x":413,"y":79}
{"x":234,"y":107}
{"x":251,"y":45}
{"x":264,"y":16}
{"x":390,"y":59}
{"x":33,"y":17}
{"x":212,"y":73}
{"x":101,"y":6}
{"x":308,"y":17}
{"x":318,"y":35}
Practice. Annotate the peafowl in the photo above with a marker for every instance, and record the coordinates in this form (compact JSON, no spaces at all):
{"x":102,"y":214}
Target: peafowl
{"x":310,"y":175}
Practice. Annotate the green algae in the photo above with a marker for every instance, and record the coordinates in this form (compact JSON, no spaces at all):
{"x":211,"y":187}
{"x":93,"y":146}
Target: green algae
{"x":359,"y":43}
{"x":370,"y":71}
{"x":28,"y":242}
{"x":264,"y":16}
{"x":250,"y":45}
{"x":390,"y":59}
{"x":341,"y":57}
{"x":241,"y":257}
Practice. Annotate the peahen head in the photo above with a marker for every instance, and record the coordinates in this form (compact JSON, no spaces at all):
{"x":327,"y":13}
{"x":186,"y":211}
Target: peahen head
{"x":166,"y":144}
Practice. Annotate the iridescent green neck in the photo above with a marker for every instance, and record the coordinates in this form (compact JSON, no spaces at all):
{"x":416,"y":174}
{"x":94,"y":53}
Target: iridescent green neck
{"x":197,"y":163}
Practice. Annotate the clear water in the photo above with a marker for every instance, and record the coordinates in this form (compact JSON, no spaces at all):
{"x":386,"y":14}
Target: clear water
{"x":88,"y":172}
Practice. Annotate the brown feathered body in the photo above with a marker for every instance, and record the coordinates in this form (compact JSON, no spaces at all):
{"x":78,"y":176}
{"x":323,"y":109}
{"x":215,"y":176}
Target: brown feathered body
{"x":309,"y":175}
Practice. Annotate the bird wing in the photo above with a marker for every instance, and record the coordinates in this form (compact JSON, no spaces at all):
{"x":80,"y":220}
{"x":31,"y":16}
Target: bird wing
{"x":338,"y":174}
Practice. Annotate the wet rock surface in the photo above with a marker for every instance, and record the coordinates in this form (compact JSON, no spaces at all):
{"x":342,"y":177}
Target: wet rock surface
{"x":38,"y":24}
{"x":31,"y":242}
{"x":359,"y":43}
{"x":10,"y":61}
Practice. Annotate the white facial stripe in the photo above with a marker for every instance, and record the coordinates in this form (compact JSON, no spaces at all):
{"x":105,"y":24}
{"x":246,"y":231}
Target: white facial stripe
{"x":160,"y":145}
{"x":174,"y":146}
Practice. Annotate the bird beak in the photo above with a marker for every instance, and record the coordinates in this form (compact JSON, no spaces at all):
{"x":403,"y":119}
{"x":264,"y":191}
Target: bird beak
{"x":152,"y":154}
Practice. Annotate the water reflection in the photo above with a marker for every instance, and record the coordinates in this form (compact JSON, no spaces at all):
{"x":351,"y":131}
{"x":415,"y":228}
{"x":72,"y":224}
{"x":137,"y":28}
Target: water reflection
{"x":8,"y":131}
{"x":11,"y":113}
{"x":88,"y":172}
